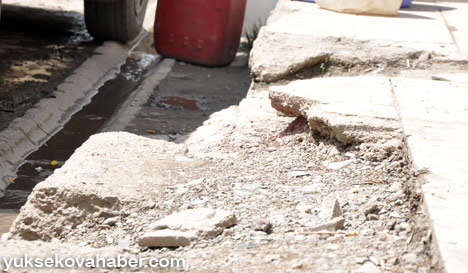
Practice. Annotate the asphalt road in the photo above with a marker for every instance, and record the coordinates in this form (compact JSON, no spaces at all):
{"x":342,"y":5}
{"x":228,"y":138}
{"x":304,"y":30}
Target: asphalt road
{"x":39,"y":48}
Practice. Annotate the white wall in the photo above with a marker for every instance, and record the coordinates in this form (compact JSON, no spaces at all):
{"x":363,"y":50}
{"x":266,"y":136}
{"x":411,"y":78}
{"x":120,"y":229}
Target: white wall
{"x":257,"y":10}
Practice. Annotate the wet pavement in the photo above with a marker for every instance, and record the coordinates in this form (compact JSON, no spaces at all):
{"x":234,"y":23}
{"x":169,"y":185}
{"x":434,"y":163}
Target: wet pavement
{"x":187,"y":97}
{"x":38,"y":49}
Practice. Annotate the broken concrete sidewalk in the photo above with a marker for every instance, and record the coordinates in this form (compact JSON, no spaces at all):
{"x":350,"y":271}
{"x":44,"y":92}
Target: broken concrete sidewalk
{"x":295,"y":35}
{"x":433,"y":120}
{"x":352,"y":110}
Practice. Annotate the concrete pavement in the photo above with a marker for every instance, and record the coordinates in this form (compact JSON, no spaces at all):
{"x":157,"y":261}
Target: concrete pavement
{"x":303,"y":35}
{"x":432,"y":114}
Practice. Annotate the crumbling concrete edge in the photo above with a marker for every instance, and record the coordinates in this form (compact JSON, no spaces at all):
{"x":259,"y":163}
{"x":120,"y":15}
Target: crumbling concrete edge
{"x":137,"y":99}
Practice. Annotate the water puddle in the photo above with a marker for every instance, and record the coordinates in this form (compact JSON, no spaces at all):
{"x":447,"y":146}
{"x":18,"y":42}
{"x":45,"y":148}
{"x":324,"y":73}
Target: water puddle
{"x":179,"y":102}
{"x":88,"y":121}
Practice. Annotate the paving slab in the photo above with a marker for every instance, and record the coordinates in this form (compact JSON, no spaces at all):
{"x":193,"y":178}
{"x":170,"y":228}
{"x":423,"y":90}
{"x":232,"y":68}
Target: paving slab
{"x":295,"y":34}
{"x":434,"y":118}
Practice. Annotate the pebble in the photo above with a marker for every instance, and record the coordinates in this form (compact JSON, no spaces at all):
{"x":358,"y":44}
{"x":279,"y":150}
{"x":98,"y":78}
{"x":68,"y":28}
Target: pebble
{"x":261,"y":224}
{"x":395,"y":187}
{"x":298,"y":174}
{"x":111,"y":221}
{"x":333,"y":151}
{"x":403,"y":227}
{"x":410,"y":258}
{"x":374,"y":260}
{"x":374,"y":208}
{"x":395,"y":214}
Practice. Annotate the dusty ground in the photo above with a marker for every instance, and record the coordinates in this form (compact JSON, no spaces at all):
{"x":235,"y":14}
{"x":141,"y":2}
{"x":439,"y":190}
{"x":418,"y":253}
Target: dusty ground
{"x":38,"y":48}
{"x":259,"y":165}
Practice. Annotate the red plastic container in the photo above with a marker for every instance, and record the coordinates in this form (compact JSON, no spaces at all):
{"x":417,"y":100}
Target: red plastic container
{"x":204,"y":32}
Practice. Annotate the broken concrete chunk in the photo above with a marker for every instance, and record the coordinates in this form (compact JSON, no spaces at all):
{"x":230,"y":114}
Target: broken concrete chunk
{"x":166,"y":238}
{"x":346,"y":109}
{"x":372,"y":209}
{"x":207,"y":222}
{"x":111,"y":221}
{"x":330,"y":209}
{"x":333,"y":225}
{"x":180,"y":228}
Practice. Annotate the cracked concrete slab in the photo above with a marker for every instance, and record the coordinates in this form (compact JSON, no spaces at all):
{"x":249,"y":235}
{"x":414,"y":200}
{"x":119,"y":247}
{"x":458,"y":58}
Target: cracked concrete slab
{"x":295,"y":35}
{"x":432,"y":117}
{"x":107,"y":173}
{"x":352,"y":110}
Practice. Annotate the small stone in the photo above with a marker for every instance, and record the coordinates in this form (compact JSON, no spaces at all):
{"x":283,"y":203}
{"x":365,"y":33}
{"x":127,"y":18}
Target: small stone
{"x":270,"y":149}
{"x":393,"y":165}
{"x":395,"y":187}
{"x":111,"y":221}
{"x":395,"y":214}
{"x":339,"y":165}
{"x":403,"y":227}
{"x":392,"y":261}
{"x":368,"y":267}
{"x":166,"y":238}
{"x":5,"y":236}
{"x":109,"y":240}
{"x":133,"y":215}
{"x":251,"y":187}
{"x":297,"y":174}
{"x":372,"y":217}
{"x":391,"y":224}
{"x":374,"y":208}
{"x":330,"y":209}
{"x":261,"y":224}
{"x":374,"y":260}
{"x":333,"y":151}
{"x":195,"y":182}
{"x":208,"y":221}
{"x":410,"y":258}
{"x":298,"y":266}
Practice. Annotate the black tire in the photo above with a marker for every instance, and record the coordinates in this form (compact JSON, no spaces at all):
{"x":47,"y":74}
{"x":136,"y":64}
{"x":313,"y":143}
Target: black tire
{"x":119,"y":20}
